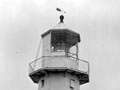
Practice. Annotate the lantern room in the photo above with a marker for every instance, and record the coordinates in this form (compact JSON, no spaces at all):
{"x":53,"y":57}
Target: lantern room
{"x":60,"y":41}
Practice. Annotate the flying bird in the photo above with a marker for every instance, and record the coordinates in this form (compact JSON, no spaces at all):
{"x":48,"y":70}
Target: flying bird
{"x":59,"y":10}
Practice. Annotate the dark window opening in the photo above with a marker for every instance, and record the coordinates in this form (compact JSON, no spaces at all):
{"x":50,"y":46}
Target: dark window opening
{"x":42,"y":83}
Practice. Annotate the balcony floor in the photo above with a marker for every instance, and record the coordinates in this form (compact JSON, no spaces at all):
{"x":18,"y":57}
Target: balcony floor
{"x":36,"y":75}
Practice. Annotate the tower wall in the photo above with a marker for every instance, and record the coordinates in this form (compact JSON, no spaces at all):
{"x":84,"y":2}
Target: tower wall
{"x":59,"y":81}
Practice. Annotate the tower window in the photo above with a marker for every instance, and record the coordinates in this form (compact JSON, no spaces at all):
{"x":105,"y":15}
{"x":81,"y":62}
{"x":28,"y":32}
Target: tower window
{"x":72,"y":83}
{"x":42,"y":83}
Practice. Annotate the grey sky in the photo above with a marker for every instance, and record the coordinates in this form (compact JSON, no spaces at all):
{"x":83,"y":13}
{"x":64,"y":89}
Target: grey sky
{"x":23,"y":21}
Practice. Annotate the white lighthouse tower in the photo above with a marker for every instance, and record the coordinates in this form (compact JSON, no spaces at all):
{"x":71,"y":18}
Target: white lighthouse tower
{"x":59,"y":67}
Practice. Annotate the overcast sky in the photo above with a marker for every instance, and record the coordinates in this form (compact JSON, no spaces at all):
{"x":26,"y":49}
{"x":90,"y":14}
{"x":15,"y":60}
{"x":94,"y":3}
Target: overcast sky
{"x":23,"y":21}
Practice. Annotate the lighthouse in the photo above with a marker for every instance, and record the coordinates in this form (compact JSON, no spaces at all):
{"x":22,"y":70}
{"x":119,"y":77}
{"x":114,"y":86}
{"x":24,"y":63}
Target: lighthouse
{"x":59,"y":67}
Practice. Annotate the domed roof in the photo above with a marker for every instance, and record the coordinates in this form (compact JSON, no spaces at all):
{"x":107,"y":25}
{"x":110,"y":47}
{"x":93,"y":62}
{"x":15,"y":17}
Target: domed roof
{"x":60,"y":26}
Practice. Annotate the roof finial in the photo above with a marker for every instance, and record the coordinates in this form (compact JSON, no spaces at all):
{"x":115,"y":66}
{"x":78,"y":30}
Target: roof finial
{"x":61,"y":18}
{"x":59,"y":10}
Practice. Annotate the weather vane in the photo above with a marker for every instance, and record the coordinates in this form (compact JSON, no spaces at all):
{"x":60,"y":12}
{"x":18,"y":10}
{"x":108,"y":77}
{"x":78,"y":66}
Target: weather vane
{"x":61,"y":16}
{"x":59,"y":10}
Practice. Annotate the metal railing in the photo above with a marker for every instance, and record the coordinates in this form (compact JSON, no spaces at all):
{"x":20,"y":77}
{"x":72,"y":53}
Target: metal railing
{"x":68,"y":62}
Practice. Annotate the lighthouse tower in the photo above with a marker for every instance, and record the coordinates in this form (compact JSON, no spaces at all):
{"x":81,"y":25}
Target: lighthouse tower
{"x":59,"y":67}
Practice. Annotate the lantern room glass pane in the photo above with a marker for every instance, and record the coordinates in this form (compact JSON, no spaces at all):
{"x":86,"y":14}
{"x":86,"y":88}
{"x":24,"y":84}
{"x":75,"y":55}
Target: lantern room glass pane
{"x":64,"y":47}
{"x":73,"y":51}
{"x":62,"y":41}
